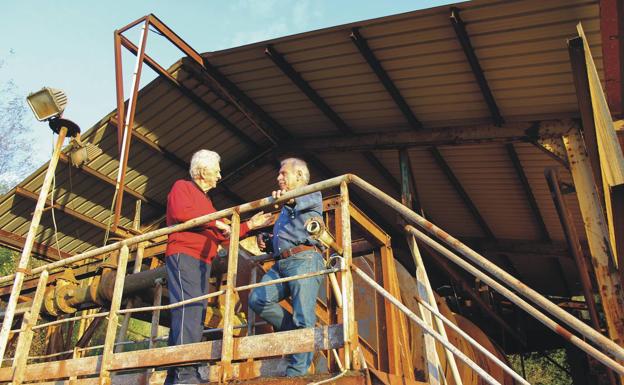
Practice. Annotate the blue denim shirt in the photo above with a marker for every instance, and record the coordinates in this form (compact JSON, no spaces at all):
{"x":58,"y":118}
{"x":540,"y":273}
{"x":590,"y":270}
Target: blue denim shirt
{"x":289,"y":229}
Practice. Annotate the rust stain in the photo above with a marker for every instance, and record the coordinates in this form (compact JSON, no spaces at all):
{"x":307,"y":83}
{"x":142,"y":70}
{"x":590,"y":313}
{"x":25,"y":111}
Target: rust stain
{"x":563,"y":333}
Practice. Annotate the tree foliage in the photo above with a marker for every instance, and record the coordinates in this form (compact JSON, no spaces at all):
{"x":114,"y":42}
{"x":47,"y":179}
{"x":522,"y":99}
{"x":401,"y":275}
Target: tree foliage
{"x":15,"y":145}
{"x":540,"y":371}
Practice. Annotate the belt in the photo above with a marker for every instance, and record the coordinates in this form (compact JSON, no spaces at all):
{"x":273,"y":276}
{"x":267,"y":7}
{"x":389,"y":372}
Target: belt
{"x":296,"y":250}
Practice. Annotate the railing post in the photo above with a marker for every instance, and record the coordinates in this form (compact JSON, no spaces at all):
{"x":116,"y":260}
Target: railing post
{"x":22,"y":266}
{"x":113,"y":317}
{"x":227,"y":344}
{"x":125,"y":323}
{"x":25,"y":338}
{"x":348,"y":307}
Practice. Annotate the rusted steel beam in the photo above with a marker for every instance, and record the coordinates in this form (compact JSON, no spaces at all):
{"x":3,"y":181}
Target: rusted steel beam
{"x":127,"y":125}
{"x":461,"y":192}
{"x":583,"y":97}
{"x":17,"y":242}
{"x":73,"y":213}
{"x":243,"y":136}
{"x":265,"y":345}
{"x":574,"y":244}
{"x":607,"y":278}
{"x":89,"y":171}
{"x":295,"y":77}
{"x":174,"y":38}
{"x":362,"y":45}
{"x":511,"y":132}
{"x":464,"y":40}
{"x":526,"y":186}
{"x":612,"y":32}
{"x":409,"y":191}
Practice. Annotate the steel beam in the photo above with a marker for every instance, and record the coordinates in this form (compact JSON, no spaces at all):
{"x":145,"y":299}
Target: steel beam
{"x":461,"y":192}
{"x":394,"y":140}
{"x":17,"y":242}
{"x":104,"y":178}
{"x":462,"y":35}
{"x":515,"y":160}
{"x":73,"y":213}
{"x":609,"y":285}
{"x":612,"y":31}
{"x":384,"y":78}
{"x":583,"y":96}
{"x":294,"y":76}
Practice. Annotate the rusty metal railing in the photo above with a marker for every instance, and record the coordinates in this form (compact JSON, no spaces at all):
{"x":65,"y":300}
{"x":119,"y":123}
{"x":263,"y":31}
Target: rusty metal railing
{"x":351,"y":359}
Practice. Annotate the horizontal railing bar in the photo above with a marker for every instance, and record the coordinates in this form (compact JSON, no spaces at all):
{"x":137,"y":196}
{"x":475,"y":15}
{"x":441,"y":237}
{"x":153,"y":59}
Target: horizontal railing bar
{"x":172,"y":305}
{"x":474,"y":343}
{"x":76,"y":318}
{"x":426,"y":328}
{"x":287,"y":279}
{"x":521,"y":303}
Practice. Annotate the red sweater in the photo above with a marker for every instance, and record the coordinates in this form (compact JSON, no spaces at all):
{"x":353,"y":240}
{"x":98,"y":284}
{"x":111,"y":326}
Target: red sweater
{"x":187,"y":201}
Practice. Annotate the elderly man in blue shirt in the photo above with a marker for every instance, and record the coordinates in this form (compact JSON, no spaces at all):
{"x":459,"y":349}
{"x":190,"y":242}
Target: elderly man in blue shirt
{"x":295,"y":253}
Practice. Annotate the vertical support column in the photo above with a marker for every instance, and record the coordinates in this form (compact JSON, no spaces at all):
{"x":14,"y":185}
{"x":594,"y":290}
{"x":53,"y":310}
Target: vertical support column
{"x":22,"y":266}
{"x":25,"y":338}
{"x":609,"y":286}
{"x":113,"y":317}
{"x":251,"y":315}
{"x":129,"y":120}
{"x":156,"y":314}
{"x":227,"y":344}
{"x":348,"y":307}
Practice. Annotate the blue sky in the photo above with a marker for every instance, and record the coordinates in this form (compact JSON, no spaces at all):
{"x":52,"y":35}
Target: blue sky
{"x":68,"y":44}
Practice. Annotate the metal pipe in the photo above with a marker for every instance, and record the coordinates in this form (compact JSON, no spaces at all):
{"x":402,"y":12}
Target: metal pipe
{"x":348,"y":306}
{"x":129,"y":122}
{"x":22,"y":266}
{"x":474,"y":343}
{"x":287,"y":279}
{"x":171,"y":305}
{"x":482,"y":262}
{"x":574,"y":244}
{"x":80,"y":317}
{"x":519,"y":301}
{"x":482,"y":373}
{"x":244,"y":208}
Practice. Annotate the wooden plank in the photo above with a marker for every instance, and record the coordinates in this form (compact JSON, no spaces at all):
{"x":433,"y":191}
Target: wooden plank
{"x":266,"y":345}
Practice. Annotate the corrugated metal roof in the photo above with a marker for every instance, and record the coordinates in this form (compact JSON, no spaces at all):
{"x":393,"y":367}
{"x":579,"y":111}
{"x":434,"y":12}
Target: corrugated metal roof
{"x":521,"y":46}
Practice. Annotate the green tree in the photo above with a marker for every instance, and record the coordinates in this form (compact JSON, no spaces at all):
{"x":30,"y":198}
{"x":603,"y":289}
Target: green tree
{"x":15,"y":145}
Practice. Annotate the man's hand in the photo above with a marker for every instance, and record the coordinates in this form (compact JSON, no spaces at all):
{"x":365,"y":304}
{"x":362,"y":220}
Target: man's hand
{"x":226,"y":230}
{"x":260,"y":241}
{"x":278,"y":193}
{"x":260,"y":219}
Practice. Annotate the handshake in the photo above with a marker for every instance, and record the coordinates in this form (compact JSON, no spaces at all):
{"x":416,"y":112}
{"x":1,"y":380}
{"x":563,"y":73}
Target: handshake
{"x":260,"y":219}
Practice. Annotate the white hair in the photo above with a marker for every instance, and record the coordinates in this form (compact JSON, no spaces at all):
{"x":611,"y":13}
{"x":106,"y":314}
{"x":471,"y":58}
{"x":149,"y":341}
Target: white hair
{"x":201,"y":160}
{"x":298,"y":165}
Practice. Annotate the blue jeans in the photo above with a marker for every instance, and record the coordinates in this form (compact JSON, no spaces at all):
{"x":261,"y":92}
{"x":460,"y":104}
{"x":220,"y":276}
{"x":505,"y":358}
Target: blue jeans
{"x":264,"y":301}
{"x":187,"y":277}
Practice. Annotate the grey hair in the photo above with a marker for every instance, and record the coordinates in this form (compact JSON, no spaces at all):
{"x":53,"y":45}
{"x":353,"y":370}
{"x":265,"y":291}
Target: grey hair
{"x":203,"y":159}
{"x":298,"y":165}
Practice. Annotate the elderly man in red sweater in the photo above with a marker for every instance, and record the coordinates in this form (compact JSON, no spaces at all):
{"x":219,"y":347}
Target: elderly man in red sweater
{"x":189,"y":254}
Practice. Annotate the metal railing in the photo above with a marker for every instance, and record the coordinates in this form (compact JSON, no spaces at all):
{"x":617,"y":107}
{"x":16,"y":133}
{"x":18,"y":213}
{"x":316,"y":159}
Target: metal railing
{"x":350,"y":343}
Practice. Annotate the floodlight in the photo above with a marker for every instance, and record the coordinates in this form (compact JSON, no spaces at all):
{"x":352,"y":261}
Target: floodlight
{"x":48,"y":103}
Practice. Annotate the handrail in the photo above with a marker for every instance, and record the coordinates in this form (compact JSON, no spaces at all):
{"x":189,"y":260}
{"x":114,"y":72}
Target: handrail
{"x":613,"y":348}
{"x":426,"y":328}
{"x":244,"y":208}
{"x":348,"y":320}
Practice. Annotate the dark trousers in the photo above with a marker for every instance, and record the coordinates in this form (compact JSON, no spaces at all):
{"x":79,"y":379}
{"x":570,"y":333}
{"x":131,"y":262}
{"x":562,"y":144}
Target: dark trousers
{"x":187,"y":277}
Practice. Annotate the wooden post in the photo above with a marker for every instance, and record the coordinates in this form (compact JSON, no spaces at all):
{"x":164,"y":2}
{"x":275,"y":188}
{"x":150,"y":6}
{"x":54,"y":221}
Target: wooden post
{"x":25,"y":338}
{"x":609,"y":285}
{"x":22,"y":266}
{"x":113,"y":317}
{"x":227,"y":344}
{"x":426,"y":294}
{"x":348,"y":307}
{"x":125,"y":323}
